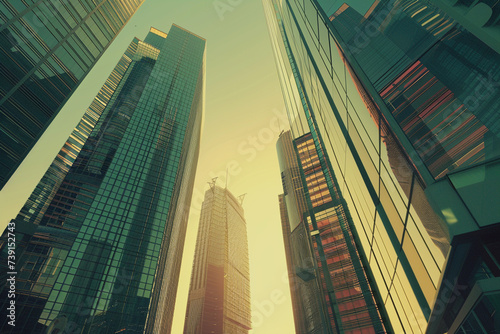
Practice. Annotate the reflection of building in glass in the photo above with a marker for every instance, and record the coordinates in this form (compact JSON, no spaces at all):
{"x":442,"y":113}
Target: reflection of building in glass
{"x":219,"y":294}
{"x":100,"y":238}
{"x":480,"y":18}
{"x":403,"y":101}
{"x":427,"y":81}
{"x":46,"y":49}
{"x":329,"y":286}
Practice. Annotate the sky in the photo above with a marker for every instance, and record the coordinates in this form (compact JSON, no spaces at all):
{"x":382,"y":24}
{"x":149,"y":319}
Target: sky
{"x":244,"y":114}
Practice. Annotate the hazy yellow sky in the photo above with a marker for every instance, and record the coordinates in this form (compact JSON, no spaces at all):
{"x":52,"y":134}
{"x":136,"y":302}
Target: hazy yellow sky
{"x":243,"y":116}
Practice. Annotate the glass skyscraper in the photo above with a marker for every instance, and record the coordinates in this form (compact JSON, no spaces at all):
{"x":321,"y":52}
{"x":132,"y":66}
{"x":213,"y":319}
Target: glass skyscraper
{"x":329,"y":283}
{"x":403,"y":102}
{"x":46,"y":50}
{"x":100,"y":240}
{"x":219,"y":293}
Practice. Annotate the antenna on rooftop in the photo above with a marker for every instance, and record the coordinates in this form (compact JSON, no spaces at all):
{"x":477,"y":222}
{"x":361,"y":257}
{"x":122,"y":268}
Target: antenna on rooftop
{"x":212,"y":183}
{"x":241,"y":198}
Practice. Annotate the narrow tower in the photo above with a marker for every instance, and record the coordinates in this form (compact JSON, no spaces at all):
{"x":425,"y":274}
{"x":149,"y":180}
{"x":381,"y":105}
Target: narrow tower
{"x":329,"y":283}
{"x":219,"y":295}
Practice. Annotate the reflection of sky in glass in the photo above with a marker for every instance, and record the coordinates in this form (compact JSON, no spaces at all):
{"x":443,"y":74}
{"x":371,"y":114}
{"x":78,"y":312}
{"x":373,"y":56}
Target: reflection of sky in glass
{"x":367,"y":129}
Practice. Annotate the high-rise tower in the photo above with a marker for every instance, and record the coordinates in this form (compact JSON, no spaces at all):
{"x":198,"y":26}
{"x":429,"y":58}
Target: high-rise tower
{"x":329,"y":283}
{"x":219,"y":294}
{"x":100,"y":240}
{"x":401,"y":99}
{"x":46,"y":50}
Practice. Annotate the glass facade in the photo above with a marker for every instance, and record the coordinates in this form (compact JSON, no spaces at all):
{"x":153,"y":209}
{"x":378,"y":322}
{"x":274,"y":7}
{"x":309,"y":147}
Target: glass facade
{"x":219,"y":293}
{"x":309,"y":312}
{"x":467,"y":301}
{"x":46,"y":49}
{"x":429,"y":81}
{"x":335,"y":295}
{"x":402,"y":100}
{"x":481,"y":18}
{"x":101,"y":237}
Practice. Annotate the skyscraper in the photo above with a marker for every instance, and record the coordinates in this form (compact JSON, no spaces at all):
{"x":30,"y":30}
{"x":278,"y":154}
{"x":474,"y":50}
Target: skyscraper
{"x":329,"y":282}
{"x":46,"y":50}
{"x":219,"y":293}
{"x":100,"y":240}
{"x":402,"y":101}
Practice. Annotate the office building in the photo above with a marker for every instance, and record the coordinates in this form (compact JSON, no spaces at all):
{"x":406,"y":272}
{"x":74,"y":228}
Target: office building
{"x":329,"y":283}
{"x":219,"y":293}
{"x":100,"y":240}
{"x":46,"y":50}
{"x":402,"y":100}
